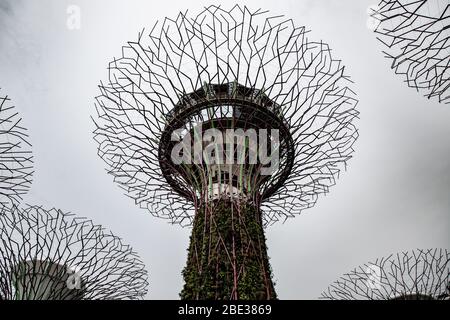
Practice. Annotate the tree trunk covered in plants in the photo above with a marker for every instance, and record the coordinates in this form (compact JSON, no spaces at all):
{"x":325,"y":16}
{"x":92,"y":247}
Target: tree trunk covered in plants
{"x":227,"y":256}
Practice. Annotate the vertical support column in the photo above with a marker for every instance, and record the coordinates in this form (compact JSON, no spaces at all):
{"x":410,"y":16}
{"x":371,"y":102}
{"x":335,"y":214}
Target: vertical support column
{"x":227,"y":256}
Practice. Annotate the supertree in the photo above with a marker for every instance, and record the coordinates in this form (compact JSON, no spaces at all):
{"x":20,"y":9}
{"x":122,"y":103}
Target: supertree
{"x":51,"y":255}
{"x":416,"y":36}
{"x":208,"y":83}
{"x":16,"y":164}
{"x":414,"y":275}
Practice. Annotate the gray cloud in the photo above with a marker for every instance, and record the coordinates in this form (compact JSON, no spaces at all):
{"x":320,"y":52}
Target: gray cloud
{"x":393,"y":197}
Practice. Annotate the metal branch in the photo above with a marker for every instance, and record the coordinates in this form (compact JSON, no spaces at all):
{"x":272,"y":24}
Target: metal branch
{"x":415,"y":275}
{"x":51,"y":255}
{"x":416,"y":38}
{"x":16,"y":161}
{"x":152,"y":84}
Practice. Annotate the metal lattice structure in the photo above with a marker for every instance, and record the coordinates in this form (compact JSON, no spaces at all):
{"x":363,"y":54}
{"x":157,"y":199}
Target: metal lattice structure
{"x":221,"y":47}
{"x":16,"y":161}
{"x":415,"y":275}
{"x":51,"y":255}
{"x":226,"y":69}
{"x":416,"y":36}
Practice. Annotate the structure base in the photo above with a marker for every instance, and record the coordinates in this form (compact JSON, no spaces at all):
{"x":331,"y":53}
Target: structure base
{"x":227,"y":256}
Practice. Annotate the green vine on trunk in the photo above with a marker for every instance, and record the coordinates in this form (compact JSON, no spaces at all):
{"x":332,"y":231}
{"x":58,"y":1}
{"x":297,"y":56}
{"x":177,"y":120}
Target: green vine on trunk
{"x":227,"y":256}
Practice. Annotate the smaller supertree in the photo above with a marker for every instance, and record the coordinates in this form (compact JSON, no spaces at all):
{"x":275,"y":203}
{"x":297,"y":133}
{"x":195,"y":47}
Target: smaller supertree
{"x":51,"y":255}
{"x":415,"y":275}
{"x":16,"y":164}
{"x":416,"y":37}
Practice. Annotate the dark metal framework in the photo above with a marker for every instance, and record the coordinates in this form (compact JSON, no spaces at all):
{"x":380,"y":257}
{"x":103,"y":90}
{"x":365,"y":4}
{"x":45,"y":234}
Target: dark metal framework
{"x":416,"y":36}
{"x":51,"y":255}
{"x":150,"y":83}
{"x":226,"y":69}
{"x":227,"y":106}
{"x":414,"y":275}
{"x":16,"y":161}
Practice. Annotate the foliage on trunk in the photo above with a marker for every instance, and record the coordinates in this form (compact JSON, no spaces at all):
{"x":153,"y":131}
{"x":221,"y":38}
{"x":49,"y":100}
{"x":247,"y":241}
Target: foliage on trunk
{"x":227,"y":256}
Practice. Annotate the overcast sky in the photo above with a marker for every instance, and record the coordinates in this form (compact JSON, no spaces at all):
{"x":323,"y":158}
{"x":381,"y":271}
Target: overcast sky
{"x":393,"y":197}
